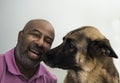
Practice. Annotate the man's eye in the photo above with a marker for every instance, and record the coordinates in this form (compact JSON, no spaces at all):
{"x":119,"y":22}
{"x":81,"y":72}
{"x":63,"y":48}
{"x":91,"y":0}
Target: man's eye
{"x":35,"y":35}
{"x":49,"y":41}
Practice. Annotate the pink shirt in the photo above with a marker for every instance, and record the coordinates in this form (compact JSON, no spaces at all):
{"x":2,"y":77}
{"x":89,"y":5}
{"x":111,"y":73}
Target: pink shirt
{"x":9,"y":72}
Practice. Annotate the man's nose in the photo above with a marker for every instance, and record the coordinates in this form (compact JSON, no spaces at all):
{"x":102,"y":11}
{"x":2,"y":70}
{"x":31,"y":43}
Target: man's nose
{"x":40,"y":42}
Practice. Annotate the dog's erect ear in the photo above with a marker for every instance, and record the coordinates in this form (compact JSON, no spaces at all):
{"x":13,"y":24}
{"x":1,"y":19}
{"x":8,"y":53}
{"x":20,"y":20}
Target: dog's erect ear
{"x":101,"y":47}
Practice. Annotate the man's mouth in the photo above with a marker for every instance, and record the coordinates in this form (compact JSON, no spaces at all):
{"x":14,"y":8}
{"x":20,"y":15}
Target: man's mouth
{"x":34,"y":54}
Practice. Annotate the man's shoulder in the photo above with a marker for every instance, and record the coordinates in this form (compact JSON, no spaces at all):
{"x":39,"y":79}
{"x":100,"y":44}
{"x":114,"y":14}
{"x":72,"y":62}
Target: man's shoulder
{"x":2,"y":64}
{"x":1,"y":60}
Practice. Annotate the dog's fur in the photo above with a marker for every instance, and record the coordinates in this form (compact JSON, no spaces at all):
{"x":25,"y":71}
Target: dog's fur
{"x":87,"y":55}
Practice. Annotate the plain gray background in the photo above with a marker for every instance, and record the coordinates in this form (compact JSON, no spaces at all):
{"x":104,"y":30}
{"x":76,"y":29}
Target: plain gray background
{"x":65,"y":15}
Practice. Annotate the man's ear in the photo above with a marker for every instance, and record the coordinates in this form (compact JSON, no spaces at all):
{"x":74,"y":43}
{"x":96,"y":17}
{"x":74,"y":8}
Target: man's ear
{"x":101,"y":48}
{"x":20,"y":35}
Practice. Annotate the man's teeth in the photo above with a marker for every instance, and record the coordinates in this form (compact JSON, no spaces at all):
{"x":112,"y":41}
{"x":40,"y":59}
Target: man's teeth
{"x":35,"y":52}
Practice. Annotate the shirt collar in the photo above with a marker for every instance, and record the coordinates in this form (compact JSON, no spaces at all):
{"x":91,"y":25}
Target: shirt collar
{"x":43,"y":71}
{"x":11,"y":64}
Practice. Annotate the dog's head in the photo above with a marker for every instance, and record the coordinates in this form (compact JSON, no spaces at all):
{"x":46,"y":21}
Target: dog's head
{"x":80,"y":49}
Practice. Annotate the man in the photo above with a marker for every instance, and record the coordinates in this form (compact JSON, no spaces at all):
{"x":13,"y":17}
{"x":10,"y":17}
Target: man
{"x":22,"y":63}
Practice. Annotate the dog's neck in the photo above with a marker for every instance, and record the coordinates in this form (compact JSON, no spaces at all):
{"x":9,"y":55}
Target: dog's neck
{"x":76,"y":77}
{"x":93,"y":75}
{"x":81,"y":75}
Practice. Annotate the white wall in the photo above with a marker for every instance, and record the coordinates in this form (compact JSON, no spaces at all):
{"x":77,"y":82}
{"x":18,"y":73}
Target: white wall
{"x":65,"y":15}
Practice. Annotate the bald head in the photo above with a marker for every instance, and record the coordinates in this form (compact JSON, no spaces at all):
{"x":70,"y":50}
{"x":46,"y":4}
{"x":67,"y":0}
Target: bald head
{"x":41,"y":23}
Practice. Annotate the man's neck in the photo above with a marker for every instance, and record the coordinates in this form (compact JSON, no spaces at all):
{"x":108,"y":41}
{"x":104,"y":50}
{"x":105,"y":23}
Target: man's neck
{"x":27,"y":72}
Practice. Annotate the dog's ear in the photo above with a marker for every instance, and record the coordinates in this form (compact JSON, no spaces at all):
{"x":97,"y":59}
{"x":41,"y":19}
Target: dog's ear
{"x":101,"y":47}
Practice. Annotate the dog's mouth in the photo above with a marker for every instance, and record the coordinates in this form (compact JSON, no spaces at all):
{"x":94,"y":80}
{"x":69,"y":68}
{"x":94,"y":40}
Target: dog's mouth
{"x":66,"y":67}
{"x":75,"y":68}
{"x":61,"y":65}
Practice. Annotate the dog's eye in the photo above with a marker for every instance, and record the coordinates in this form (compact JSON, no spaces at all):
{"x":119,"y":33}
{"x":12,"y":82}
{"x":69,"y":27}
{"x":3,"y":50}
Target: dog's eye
{"x":71,"y":45}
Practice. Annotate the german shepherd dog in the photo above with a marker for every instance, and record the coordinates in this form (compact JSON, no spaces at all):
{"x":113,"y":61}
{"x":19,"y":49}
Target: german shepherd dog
{"x":87,"y":55}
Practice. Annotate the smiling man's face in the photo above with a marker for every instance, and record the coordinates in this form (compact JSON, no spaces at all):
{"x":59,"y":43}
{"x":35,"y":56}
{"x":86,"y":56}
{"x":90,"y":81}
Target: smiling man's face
{"x":33,"y":42}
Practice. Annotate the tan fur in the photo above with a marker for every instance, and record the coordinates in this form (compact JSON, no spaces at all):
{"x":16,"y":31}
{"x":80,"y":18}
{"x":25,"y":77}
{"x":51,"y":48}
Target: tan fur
{"x":92,"y":32}
{"x":94,"y":70}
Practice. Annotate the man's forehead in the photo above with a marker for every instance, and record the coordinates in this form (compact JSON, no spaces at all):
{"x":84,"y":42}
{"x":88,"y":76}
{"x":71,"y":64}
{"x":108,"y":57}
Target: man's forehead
{"x":37,"y":22}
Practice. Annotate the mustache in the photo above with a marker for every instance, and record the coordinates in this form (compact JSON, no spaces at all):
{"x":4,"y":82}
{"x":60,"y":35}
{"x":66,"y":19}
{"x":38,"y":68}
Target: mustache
{"x":39,"y":50}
